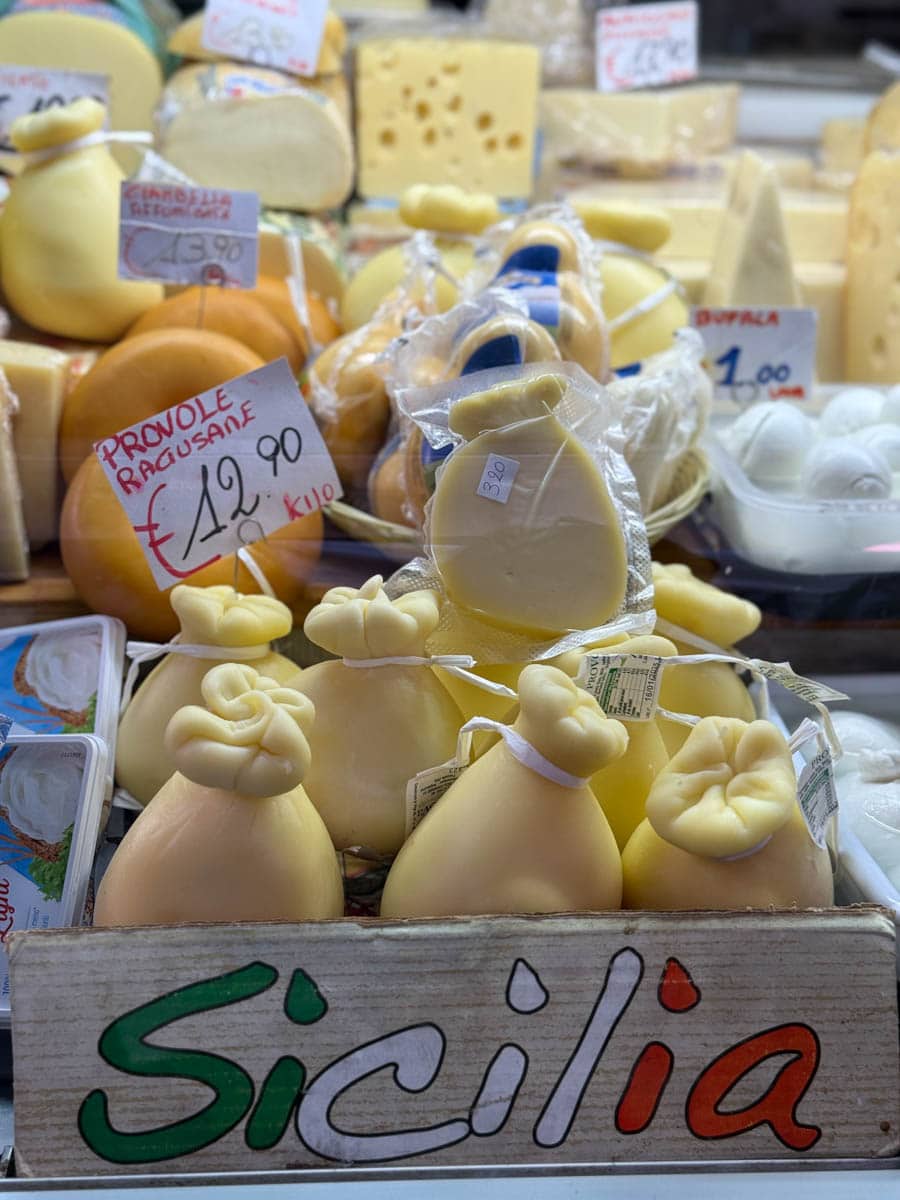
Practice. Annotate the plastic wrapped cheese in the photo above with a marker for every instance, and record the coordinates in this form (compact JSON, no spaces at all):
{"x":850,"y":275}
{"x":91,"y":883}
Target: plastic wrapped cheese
{"x":59,"y":230}
{"x":232,"y":835}
{"x":724,"y":829}
{"x":378,"y":725}
{"x":210,"y":618}
{"x":520,"y":831}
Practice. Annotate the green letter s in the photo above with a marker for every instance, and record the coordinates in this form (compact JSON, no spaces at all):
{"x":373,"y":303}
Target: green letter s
{"x":123,"y":1045}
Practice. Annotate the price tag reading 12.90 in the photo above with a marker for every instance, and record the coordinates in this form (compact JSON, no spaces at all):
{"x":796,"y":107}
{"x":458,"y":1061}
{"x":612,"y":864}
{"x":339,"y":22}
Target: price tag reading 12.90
{"x":759,"y":353}
{"x":192,"y":479}
{"x":183,"y":234}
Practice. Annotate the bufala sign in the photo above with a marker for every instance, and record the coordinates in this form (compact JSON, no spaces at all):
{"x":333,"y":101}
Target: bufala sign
{"x":559,"y":1039}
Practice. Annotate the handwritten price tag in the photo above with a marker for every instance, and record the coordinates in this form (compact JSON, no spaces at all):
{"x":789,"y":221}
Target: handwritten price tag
{"x":497,"y":478}
{"x":759,"y":353}
{"x":26,"y":90}
{"x":270,"y":33}
{"x":180,"y":234}
{"x":643,"y":45}
{"x":244,"y":454}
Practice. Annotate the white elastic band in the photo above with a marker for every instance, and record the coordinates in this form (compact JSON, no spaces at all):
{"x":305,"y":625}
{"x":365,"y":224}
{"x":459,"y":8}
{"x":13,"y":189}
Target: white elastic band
{"x":649,"y":302}
{"x":257,"y":572}
{"x":525,"y":753}
{"x":747,"y":853}
{"x":101,"y":137}
{"x":805,"y":732}
{"x":143,"y":652}
{"x":458,"y":665}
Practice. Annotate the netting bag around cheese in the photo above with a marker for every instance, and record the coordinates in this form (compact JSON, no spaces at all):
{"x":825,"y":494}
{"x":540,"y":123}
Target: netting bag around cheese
{"x":534,"y":535}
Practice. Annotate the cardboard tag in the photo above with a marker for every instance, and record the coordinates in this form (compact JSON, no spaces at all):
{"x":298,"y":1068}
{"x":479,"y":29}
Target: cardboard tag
{"x":625,"y":686}
{"x":269,"y":33}
{"x":182,"y":234}
{"x":817,"y":796}
{"x":643,"y":45}
{"x":425,"y":789}
{"x":497,"y":478}
{"x":25,"y":90}
{"x":245,"y":454}
{"x":759,"y":353}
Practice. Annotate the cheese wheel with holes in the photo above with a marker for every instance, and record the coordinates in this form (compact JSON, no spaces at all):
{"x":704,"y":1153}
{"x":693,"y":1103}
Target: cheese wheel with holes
{"x":224,"y":310}
{"x":142,"y":376}
{"x":108,"y":569}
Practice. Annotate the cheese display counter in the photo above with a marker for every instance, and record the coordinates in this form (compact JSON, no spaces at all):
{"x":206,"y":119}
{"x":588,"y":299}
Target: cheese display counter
{"x":449,"y":516}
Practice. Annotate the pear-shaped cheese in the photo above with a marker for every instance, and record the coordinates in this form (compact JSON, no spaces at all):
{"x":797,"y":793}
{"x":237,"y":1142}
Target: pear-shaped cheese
{"x":211,"y":616}
{"x":544,"y":553}
{"x":701,"y":608}
{"x":232,"y":835}
{"x":377,"y":727}
{"x":59,"y":232}
{"x":505,"y":839}
{"x":706,"y":689}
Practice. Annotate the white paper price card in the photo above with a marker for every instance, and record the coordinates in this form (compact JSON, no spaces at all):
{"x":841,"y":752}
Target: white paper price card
{"x":759,"y":353}
{"x":625,"y":686}
{"x":25,"y":90}
{"x":194,"y":479}
{"x":643,"y":45}
{"x":270,"y":33}
{"x":181,"y":234}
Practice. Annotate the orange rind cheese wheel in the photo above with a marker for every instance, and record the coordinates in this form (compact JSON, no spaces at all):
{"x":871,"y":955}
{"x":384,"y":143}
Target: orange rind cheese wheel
{"x":273,"y":293}
{"x":142,"y":376}
{"x":108,"y":569}
{"x":227,"y":311}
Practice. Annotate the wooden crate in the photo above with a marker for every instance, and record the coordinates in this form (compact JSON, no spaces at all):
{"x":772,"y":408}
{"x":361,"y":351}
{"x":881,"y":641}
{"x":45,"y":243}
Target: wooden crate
{"x":622,"y":1037}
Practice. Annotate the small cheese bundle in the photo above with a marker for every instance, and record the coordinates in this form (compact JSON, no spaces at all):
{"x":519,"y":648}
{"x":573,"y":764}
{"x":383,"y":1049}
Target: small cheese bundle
{"x":724,"y":829}
{"x":209,"y":617}
{"x":522,"y":526}
{"x":232,"y":835}
{"x":59,"y":230}
{"x":378,"y":725}
{"x":520,"y":831}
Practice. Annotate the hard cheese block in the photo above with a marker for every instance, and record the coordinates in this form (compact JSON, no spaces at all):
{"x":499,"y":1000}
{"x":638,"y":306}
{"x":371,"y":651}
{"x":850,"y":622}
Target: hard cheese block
{"x":544,"y":552}
{"x":13,"y":542}
{"x":752,"y":263}
{"x":872,"y":347}
{"x":638,"y":132}
{"x":39,"y":377}
{"x":446,"y":110}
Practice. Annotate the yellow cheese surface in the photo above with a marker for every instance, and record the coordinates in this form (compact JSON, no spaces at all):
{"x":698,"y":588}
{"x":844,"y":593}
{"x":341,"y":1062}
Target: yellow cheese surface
{"x":39,"y":377}
{"x":13,"y":541}
{"x":446,"y":110}
{"x":842,"y":144}
{"x":872,"y":347}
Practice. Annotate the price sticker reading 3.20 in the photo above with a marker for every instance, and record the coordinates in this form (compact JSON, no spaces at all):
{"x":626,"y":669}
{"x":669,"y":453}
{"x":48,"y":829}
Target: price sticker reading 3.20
{"x":192,"y":479}
{"x":644,"y":45}
{"x":180,"y":234}
{"x":759,"y":353}
{"x":26,"y":90}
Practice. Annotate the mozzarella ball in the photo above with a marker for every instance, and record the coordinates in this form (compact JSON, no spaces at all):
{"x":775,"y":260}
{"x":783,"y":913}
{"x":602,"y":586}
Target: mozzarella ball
{"x":890,"y":411}
{"x":851,"y":409}
{"x":838,"y":469}
{"x":885,"y":438}
{"x":771,"y":441}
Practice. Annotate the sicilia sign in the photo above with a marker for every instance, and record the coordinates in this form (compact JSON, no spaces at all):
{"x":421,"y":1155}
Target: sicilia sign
{"x":542,"y":1040}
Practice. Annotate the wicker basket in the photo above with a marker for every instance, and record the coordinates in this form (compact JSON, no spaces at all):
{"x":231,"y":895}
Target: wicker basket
{"x":401,"y":543}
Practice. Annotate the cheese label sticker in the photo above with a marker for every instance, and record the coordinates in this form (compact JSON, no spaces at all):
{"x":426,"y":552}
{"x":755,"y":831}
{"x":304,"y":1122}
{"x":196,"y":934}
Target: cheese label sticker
{"x":644,"y":45}
{"x":626,"y":686}
{"x":26,"y":90}
{"x":220,"y":470}
{"x":267,"y":33}
{"x":757,"y":354}
{"x":497,"y":478}
{"x":178,"y":233}
{"x":426,"y":788}
{"x":817,"y":796}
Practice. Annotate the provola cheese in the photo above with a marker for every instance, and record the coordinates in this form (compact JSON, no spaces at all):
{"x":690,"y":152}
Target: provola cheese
{"x":40,"y":378}
{"x":872,"y":348}
{"x":549,"y":555}
{"x":507,"y":839}
{"x":13,"y":540}
{"x":752,"y":261}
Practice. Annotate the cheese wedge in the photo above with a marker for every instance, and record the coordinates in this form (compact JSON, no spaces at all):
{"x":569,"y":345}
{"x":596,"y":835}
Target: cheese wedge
{"x":872,"y":348}
{"x":40,"y":379}
{"x":752,"y":262}
{"x":13,"y":541}
{"x":883,"y":126}
{"x":545,"y":554}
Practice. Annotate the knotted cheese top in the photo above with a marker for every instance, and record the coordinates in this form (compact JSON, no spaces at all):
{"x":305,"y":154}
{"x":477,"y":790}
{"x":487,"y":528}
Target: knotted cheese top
{"x":506,"y":404}
{"x":565,"y":724}
{"x":57,"y":125}
{"x":364,"y":623}
{"x":249,"y":739}
{"x":446,"y":208}
{"x":220,"y":616}
{"x":728,"y":789}
{"x":700,"y":607}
